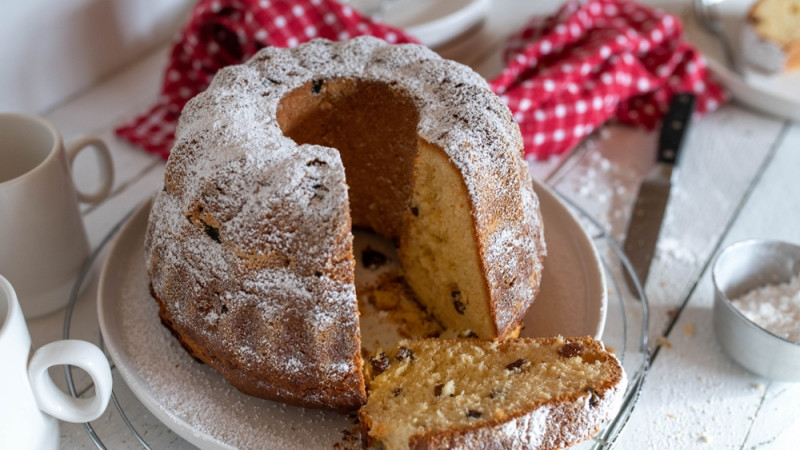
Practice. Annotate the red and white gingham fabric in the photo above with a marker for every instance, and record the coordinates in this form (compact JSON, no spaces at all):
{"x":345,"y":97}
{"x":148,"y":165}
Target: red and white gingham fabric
{"x":567,"y":74}
{"x":224,"y":32}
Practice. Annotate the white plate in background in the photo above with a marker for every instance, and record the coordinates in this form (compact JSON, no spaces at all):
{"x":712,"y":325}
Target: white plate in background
{"x":432,"y":22}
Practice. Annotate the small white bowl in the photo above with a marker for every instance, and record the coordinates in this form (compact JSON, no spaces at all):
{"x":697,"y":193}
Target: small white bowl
{"x":738,"y":269}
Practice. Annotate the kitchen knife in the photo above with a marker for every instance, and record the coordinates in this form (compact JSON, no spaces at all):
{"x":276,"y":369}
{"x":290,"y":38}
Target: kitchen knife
{"x":651,"y":201}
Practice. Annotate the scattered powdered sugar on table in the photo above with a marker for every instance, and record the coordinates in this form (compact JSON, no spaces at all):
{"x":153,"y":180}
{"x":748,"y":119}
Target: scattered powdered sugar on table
{"x":603,"y":178}
{"x":602,"y":187}
{"x":774,"y":307}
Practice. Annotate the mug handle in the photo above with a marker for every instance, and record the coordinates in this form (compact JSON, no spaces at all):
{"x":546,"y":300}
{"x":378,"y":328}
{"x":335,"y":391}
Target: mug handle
{"x":106,"y":167}
{"x":55,"y":402}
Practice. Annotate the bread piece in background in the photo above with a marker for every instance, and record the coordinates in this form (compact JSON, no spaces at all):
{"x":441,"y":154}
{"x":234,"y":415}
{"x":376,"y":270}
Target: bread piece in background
{"x":770,"y":36}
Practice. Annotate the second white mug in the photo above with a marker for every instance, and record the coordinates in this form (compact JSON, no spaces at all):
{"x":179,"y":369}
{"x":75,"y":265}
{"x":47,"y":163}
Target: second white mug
{"x":31,"y":403}
{"x":43,"y":243}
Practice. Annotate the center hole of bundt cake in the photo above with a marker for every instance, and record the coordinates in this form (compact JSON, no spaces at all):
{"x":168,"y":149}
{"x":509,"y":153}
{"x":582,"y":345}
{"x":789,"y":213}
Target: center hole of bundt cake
{"x":401,"y":187}
{"x":374,"y":127}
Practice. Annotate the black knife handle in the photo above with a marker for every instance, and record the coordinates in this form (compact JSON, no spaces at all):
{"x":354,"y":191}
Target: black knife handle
{"x":674,"y":127}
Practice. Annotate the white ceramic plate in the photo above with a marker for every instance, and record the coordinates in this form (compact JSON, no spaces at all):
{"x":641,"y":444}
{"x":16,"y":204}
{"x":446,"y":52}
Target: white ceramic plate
{"x":777,"y":95}
{"x":432,"y":22}
{"x":196,"y":402}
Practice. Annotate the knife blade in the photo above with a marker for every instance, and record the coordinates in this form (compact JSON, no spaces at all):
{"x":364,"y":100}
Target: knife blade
{"x":651,"y":200}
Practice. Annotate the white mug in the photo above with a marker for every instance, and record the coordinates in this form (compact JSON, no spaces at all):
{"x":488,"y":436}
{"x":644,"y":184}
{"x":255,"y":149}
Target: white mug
{"x":31,"y":403}
{"x":43,"y":243}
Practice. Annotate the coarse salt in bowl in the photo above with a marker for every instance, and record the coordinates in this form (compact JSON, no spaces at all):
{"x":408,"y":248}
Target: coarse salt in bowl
{"x":757,"y":306}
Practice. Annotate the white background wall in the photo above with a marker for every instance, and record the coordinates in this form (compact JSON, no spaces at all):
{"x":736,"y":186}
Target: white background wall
{"x":52,"y":49}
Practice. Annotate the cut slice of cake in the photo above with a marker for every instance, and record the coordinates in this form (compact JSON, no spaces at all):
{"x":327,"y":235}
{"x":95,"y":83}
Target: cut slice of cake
{"x":471,"y":393}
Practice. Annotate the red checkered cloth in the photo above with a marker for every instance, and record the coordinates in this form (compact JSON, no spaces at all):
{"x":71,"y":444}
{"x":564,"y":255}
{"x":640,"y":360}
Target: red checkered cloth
{"x":224,"y":32}
{"x":571,"y":72}
{"x":567,"y":74}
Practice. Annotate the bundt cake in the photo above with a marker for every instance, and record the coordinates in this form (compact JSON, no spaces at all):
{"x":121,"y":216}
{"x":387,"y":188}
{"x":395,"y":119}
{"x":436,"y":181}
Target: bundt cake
{"x":770,"y":37}
{"x":249,"y":244}
{"x":543,"y":393}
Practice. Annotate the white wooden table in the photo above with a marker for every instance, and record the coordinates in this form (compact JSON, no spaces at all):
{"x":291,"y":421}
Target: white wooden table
{"x":739,"y":179}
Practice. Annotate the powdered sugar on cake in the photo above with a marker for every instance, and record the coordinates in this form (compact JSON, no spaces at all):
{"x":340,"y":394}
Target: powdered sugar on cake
{"x":239,"y":193}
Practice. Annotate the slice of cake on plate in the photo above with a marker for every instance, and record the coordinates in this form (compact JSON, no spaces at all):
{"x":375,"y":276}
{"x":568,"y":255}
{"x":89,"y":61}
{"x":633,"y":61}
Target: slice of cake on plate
{"x":469,"y":393}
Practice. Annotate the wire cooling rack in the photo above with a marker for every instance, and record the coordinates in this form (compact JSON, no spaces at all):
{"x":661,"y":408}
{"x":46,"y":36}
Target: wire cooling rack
{"x":626,"y":325}
{"x":625,"y":330}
